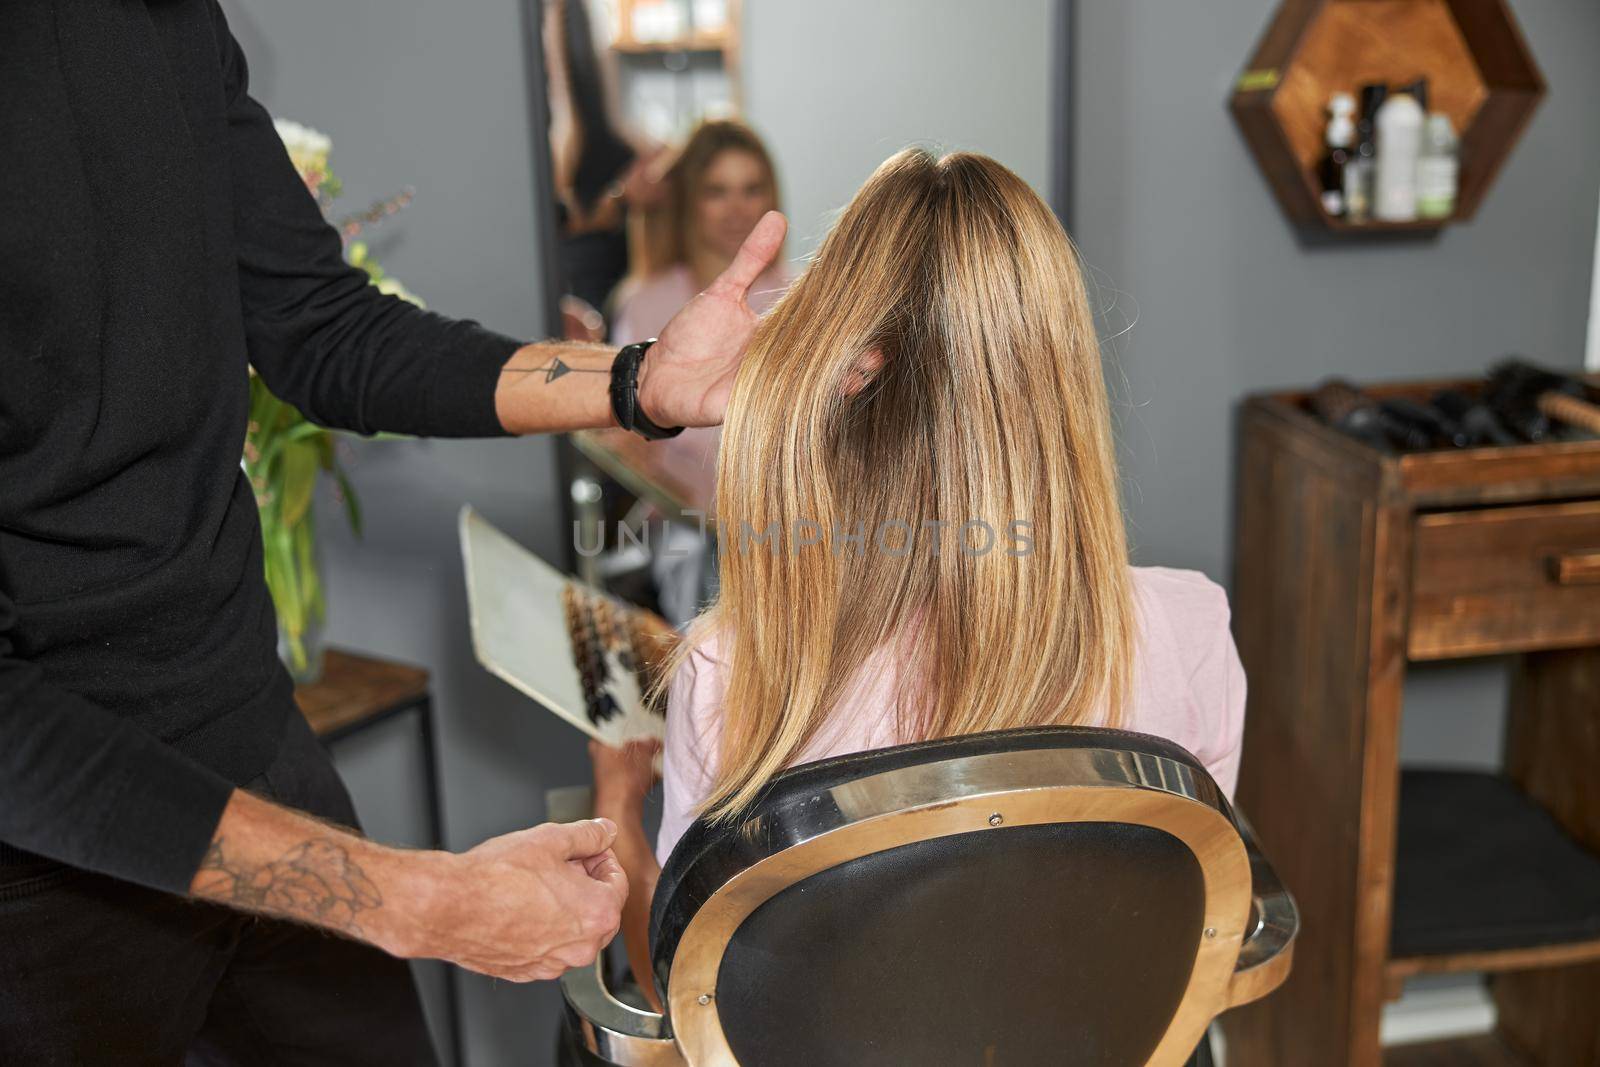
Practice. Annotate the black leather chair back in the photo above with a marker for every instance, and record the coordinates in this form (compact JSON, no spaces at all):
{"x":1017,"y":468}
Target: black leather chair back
{"x":977,"y":936}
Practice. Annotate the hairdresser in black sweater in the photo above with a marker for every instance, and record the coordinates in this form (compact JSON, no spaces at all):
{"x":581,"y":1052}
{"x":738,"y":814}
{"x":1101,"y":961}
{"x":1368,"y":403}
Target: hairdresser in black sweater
{"x":154,"y":241}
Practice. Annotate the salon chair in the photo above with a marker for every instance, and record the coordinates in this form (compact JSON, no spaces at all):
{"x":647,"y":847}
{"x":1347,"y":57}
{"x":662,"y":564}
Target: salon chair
{"x":1058,"y":895}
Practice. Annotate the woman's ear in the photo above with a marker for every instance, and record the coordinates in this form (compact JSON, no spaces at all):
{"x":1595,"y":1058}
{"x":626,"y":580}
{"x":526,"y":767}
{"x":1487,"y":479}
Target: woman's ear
{"x":866,"y":368}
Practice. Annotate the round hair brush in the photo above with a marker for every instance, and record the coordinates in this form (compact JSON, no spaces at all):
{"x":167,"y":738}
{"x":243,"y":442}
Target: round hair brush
{"x":1529,"y":398}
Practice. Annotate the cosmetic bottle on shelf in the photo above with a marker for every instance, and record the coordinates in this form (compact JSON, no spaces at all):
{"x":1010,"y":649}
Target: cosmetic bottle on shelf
{"x":1438,"y":168}
{"x":1372,"y":97}
{"x":1358,"y":171}
{"x":1399,"y":135}
{"x":1340,"y":140}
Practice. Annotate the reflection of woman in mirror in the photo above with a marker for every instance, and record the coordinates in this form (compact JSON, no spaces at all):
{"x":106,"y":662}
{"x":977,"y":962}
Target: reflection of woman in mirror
{"x":918,"y":496}
{"x":720,"y":185}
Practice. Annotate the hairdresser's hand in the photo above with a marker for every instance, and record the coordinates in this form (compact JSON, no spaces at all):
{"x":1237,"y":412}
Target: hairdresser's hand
{"x":622,"y":777}
{"x":528,"y":905}
{"x":688,"y":375}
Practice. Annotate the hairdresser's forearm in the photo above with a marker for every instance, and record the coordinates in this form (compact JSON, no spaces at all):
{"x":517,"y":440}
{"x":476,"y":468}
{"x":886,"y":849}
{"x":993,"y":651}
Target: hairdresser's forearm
{"x":560,"y":386}
{"x":554,"y":387}
{"x":271,"y":860}
{"x":522,"y":906}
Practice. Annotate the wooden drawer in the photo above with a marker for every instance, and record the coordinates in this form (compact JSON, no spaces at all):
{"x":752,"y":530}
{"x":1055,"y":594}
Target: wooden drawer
{"x":1505,"y":580}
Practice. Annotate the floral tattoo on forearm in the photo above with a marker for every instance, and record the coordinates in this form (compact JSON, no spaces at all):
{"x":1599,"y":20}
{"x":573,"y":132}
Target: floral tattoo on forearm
{"x":316,"y":882}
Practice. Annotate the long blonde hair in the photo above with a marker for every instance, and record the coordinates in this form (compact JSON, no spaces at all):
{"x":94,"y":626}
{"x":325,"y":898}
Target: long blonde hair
{"x":937,"y":363}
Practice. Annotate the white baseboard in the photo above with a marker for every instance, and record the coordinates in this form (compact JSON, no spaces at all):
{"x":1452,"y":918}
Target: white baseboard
{"x":1426,"y":1014}
{"x":1430,"y":1014}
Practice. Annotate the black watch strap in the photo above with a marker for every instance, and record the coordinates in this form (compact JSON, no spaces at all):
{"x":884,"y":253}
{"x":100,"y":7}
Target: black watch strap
{"x":625,"y":394}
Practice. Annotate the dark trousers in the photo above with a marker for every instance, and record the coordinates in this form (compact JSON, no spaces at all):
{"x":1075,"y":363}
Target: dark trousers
{"x":98,"y":971}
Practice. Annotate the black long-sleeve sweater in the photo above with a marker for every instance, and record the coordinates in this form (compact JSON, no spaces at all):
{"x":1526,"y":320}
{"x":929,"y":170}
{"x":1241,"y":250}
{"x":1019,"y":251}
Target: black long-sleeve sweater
{"x":154,"y":240}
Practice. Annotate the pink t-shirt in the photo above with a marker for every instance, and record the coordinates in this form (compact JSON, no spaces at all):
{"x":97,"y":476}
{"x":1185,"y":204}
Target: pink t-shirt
{"x":646,"y":310}
{"x":1188,"y":686}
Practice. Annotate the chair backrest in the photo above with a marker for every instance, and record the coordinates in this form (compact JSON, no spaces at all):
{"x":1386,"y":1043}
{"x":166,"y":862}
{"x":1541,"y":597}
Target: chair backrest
{"x":1020,"y":897}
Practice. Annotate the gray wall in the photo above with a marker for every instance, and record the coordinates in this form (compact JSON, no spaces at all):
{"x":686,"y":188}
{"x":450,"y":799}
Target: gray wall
{"x":837,"y":86}
{"x":433,"y":95}
{"x":1187,"y":244}
{"x":1210,"y":294}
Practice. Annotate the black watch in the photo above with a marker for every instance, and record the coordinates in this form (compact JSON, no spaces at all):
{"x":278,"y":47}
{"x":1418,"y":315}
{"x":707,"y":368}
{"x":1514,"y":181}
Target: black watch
{"x":625,"y":394}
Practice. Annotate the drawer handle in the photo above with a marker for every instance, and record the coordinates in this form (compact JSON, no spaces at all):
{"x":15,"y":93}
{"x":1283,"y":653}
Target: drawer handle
{"x":1576,"y":568}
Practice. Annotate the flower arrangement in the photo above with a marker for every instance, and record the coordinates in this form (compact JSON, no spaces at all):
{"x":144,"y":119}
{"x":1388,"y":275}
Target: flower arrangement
{"x":284,"y":452}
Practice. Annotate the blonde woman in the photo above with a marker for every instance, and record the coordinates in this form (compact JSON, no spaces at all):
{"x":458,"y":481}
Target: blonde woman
{"x":717,"y":188}
{"x":720,"y":184}
{"x":921,"y":530}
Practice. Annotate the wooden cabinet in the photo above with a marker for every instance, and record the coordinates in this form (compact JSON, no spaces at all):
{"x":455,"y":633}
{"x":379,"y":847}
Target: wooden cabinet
{"x":1504,"y":580}
{"x":1348,"y":564}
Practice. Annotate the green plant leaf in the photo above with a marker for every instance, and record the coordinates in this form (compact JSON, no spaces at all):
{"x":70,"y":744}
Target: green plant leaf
{"x":266,"y":410}
{"x":272,"y":442}
{"x":275,"y":585}
{"x":291,"y":608}
{"x":302,"y":430}
{"x":289,"y":452}
{"x":352,"y":506}
{"x":305,"y":537}
{"x":326,"y":453}
{"x":299,"y":481}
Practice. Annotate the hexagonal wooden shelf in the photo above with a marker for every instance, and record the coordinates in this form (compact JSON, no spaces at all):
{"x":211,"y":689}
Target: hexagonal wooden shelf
{"x":1479,"y":72}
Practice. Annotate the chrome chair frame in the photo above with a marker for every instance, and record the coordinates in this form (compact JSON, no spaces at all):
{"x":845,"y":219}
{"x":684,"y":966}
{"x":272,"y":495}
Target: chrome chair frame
{"x":1244,"y":951}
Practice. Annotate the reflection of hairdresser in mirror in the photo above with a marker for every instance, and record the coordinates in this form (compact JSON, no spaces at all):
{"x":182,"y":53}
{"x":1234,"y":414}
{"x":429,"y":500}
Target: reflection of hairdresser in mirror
{"x":923,"y":420}
{"x":600,"y":167}
{"x":719,"y":186}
